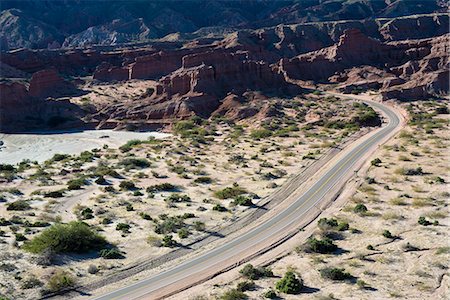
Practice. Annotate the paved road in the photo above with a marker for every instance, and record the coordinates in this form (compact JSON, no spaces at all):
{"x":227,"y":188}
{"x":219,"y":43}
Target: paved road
{"x":273,"y":229}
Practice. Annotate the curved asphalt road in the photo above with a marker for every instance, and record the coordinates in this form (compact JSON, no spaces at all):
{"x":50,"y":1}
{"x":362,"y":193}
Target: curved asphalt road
{"x":277,"y":227}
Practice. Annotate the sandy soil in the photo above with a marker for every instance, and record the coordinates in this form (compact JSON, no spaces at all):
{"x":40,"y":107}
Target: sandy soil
{"x":412,"y":265}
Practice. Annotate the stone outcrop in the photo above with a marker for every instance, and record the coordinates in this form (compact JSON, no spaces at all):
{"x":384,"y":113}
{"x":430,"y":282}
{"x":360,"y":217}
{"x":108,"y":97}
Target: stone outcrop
{"x":45,"y":83}
{"x":24,"y":106}
{"x":156,"y":65}
{"x":410,"y":69}
{"x":107,"y":72}
{"x":199,"y":86}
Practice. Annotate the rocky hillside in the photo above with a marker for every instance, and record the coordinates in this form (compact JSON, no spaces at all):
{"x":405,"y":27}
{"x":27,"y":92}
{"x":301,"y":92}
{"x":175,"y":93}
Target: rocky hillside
{"x":52,"y":24}
{"x":405,"y":58}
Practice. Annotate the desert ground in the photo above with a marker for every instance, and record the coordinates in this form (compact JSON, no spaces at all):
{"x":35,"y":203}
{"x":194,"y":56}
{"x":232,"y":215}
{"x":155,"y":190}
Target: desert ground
{"x":150,"y":196}
{"x":385,"y":237}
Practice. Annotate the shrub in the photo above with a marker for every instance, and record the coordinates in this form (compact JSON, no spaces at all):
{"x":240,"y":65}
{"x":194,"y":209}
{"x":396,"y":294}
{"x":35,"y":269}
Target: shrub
{"x":18,"y":205}
{"x":30,"y":283}
{"x":343,"y":226}
{"x":163,"y":187}
{"x":177,"y":198}
{"x":245,"y":286}
{"x":253,"y":273}
{"x":423,"y":221}
{"x":75,"y":237}
{"x":112,"y":253}
{"x":387,"y":234}
{"x":243,"y":201}
{"x":260,"y":133}
{"x":325,"y":245}
{"x":127,"y":185}
{"x":410,"y":172}
{"x":169,"y":224}
{"x":270,"y":294}
{"x":168,"y":241}
{"x":290,"y":283}
{"x":20,"y":237}
{"x":203,"y":180}
{"x":335,"y":274}
{"x":219,"y":208}
{"x":61,"y":280}
{"x":360,"y":208}
{"x":124,"y":227}
{"x":199,"y":226}
{"x":326,"y":224}
{"x":54,"y":194}
{"x":101,"y":180}
{"x":76,"y":184}
{"x":183,"y":233}
{"x":234,"y":294}
{"x":134,"y":163}
{"x":59,"y":157}
{"x":230,"y":192}
{"x":376,"y":162}
{"x":145,"y":216}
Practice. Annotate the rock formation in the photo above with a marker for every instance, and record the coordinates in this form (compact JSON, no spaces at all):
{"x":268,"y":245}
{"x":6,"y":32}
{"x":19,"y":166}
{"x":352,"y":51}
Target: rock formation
{"x":45,"y":83}
{"x":404,"y":70}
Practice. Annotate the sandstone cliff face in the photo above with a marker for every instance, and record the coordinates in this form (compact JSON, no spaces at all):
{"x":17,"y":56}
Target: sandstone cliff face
{"x":199,"y":86}
{"x":45,"y":83}
{"x":404,"y":70}
{"x":107,"y":72}
{"x":155,"y":65}
{"x":24,"y":107}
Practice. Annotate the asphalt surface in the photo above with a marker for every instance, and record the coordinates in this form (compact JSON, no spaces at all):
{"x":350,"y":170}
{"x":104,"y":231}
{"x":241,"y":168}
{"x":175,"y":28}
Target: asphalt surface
{"x":278,"y":226}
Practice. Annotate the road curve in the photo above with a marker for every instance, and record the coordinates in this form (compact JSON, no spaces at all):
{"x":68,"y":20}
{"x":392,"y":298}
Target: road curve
{"x":275,"y":229}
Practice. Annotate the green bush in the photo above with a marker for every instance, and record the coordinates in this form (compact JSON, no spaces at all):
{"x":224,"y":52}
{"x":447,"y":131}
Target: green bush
{"x":163,"y":187}
{"x":168,"y":241}
{"x":229,"y":192}
{"x":54,"y":194}
{"x":424,"y":222}
{"x":18,"y":205}
{"x":335,"y":274}
{"x":76,"y":184}
{"x":234,"y":294}
{"x":127,"y":185}
{"x":59,"y":157}
{"x":387,"y":234}
{"x":112,"y":253}
{"x":124,"y":227}
{"x":134,"y":163}
{"x":61,"y":280}
{"x":360,"y":208}
{"x":203,"y":180}
{"x":75,"y":237}
{"x":376,"y":162}
{"x":253,"y":273}
{"x":270,"y":294}
{"x":410,"y":171}
{"x":101,"y":180}
{"x":243,"y":201}
{"x":169,"y":225}
{"x":260,"y":133}
{"x":323,"y":246}
{"x":219,"y":208}
{"x":290,"y":283}
{"x":245,"y":286}
{"x":183,"y":233}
